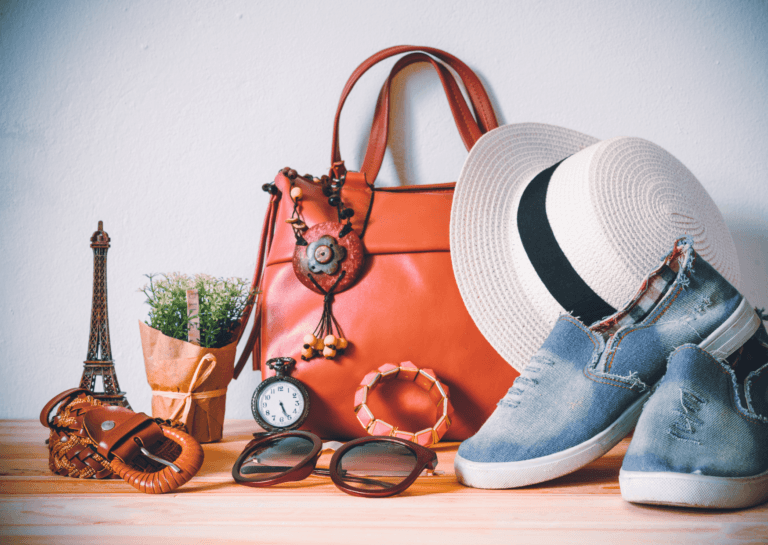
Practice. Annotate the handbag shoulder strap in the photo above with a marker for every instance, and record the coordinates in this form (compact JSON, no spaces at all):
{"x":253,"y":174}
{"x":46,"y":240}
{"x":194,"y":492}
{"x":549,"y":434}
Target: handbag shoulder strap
{"x":265,"y":244}
{"x":486,"y":119}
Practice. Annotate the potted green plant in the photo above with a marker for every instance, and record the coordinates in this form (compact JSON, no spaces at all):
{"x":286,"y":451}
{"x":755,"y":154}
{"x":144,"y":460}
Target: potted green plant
{"x":189,"y":342}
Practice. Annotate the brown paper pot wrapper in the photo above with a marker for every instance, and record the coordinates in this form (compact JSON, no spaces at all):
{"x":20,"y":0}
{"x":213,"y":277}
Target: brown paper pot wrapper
{"x":189,"y":383}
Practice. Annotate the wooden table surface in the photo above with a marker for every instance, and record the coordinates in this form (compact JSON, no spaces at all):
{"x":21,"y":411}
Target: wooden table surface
{"x":586,"y":506}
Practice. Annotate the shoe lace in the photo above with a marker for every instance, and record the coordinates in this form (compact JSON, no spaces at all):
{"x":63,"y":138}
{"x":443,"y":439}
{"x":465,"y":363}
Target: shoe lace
{"x":528,"y":379}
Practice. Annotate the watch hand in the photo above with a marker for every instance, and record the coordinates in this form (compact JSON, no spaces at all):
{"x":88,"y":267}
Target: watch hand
{"x":284,"y":411}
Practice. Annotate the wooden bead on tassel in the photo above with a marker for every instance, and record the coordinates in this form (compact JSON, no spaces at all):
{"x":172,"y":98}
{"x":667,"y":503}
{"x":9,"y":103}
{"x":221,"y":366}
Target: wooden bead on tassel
{"x":309,"y":341}
{"x":329,"y":352}
{"x":307,"y":354}
{"x":296,"y":193}
{"x":330,"y":341}
{"x":341,"y":343}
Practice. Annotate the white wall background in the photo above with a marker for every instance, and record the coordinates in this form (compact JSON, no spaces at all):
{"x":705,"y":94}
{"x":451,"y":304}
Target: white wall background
{"x":164,"y":118}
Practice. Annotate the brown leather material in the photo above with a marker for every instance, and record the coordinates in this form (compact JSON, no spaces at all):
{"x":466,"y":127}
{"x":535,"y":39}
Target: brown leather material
{"x":486,"y":118}
{"x":79,"y":446}
{"x":45,"y":414}
{"x":377,"y":141}
{"x":167,"y":479}
{"x":265,"y":245}
{"x":82,"y":457}
{"x":405,"y":305}
{"x":398,"y":223}
{"x":71,"y":452}
{"x":119,"y":440}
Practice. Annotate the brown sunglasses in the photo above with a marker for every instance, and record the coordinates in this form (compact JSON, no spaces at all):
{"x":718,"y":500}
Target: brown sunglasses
{"x":372,"y":467}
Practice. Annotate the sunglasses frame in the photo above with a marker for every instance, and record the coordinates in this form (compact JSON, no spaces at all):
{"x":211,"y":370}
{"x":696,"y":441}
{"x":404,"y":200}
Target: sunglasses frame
{"x":425,"y":459}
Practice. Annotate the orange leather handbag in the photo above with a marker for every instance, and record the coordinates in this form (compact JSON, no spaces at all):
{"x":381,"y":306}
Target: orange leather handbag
{"x":398,"y":301}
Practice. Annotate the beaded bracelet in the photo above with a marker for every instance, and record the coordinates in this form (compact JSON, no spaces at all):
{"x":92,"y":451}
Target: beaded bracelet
{"x":427,"y":380}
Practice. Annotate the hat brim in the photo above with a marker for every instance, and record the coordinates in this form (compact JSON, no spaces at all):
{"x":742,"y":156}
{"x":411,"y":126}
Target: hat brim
{"x":485,"y":243}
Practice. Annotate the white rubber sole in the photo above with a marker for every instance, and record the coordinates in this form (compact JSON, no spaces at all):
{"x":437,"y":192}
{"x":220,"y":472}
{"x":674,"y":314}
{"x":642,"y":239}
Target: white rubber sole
{"x":732,"y":333}
{"x":722,"y":342}
{"x":545,"y":468}
{"x":690,"y":490}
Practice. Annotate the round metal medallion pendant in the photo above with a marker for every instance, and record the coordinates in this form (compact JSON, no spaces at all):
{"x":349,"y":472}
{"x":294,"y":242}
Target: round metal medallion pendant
{"x":326,"y":256}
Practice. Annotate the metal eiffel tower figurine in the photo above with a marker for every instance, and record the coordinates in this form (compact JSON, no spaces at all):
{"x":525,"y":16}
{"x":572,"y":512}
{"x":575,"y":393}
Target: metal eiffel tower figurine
{"x":99,"y":358}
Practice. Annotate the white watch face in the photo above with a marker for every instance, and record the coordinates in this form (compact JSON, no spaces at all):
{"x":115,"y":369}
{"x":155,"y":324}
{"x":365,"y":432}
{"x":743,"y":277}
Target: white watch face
{"x":281,"y":404}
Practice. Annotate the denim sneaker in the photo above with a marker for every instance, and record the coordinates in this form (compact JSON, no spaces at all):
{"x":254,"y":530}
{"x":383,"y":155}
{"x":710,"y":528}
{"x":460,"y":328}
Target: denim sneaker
{"x":702,"y":440}
{"x":583,"y":391}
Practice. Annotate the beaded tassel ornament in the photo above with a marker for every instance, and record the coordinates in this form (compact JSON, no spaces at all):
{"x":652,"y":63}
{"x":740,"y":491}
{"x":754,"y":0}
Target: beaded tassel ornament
{"x":327,"y":259}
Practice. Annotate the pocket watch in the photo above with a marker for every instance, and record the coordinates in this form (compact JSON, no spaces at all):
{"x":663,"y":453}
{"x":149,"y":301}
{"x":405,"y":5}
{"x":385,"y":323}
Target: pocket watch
{"x":280,"y":402}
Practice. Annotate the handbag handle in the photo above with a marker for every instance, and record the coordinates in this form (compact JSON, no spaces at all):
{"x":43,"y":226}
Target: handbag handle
{"x":469,"y":131}
{"x":481,"y":104}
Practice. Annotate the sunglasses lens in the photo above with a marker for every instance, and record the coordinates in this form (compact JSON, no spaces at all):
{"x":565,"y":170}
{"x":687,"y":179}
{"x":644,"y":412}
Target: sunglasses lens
{"x":376,"y":465}
{"x":270,"y":459}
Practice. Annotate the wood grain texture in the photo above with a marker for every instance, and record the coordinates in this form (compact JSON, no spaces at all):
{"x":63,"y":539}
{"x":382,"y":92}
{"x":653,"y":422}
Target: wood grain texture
{"x":39,"y":507}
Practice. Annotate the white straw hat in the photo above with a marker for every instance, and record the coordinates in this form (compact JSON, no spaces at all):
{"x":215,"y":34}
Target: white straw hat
{"x":532,"y":239}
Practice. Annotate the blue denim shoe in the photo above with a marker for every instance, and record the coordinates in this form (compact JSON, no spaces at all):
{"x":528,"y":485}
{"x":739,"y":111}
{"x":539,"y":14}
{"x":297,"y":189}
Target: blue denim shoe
{"x":583,"y":391}
{"x":702,"y":440}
